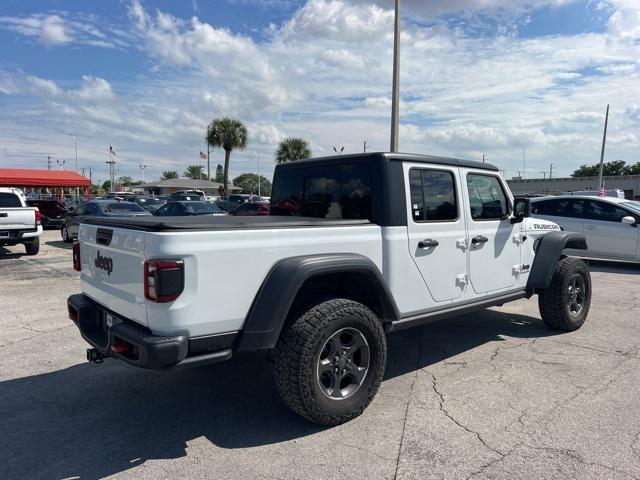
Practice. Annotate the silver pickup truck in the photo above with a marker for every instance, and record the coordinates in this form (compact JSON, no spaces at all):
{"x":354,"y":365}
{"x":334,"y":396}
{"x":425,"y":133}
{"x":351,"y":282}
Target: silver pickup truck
{"x":18,"y":222}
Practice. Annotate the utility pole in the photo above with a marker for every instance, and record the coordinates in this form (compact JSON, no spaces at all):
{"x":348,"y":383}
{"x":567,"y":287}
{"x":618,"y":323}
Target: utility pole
{"x":483,"y":157}
{"x":75,"y":140}
{"x":544,"y":174}
{"x":49,"y":162}
{"x":395,"y":95}
{"x":550,"y":171}
{"x":365,"y":146}
{"x":604,"y":141}
{"x":524,"y":162}
{"x":209,"y":154}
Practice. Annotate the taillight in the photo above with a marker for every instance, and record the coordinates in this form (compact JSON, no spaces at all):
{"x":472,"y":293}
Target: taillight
{"x":38,"y":217}
{"x":163,"y":280}
{"x":76,"y":256}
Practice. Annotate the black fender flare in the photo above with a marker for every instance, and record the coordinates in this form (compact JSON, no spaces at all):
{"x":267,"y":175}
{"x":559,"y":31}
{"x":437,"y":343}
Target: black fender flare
{"x":548,"y":253}
{"x":275,"y":297}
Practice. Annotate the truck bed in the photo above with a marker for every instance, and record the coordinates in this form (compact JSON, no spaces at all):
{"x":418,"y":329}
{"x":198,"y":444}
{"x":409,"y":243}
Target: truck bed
{"x":197,"y":223}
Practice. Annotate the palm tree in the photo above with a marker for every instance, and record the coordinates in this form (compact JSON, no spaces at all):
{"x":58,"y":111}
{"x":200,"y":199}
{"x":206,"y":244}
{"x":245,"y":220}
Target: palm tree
{"x":194,"y":172}
{"x":229,"y":134}
{"x":292,"y":149}
{"x":169,"y":175}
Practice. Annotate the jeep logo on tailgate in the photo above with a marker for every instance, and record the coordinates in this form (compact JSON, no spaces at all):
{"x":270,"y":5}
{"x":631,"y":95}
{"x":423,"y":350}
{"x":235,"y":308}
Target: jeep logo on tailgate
{"x":104,"y":263}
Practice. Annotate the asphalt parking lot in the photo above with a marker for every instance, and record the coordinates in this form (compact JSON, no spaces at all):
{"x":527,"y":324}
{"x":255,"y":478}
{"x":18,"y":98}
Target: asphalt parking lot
{"x":489,"y":395}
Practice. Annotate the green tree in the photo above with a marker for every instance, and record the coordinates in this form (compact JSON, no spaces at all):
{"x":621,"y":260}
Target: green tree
{"x":634,"y":169}
{"x":292,"y":149}
{"x":169,"y":174}
{"x":219,"y":174}
{"x":229,"y":134}
{"x":609,"y":169}
{"x":248,"y":182}
{"x":125,"y":181}
{"x":194,"y":172}
{"x":106,"y":186}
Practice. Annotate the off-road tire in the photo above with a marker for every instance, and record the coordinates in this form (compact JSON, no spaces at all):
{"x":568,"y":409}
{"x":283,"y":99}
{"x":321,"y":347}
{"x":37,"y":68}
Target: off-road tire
{"x":555,"y":301}
{"x":300,"y":347}
{"x":33,"y":247}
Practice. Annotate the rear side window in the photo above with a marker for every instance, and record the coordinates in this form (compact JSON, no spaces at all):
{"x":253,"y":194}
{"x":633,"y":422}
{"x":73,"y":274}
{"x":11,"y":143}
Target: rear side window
{"x":9,"y":200}
{"x":433,"y":195}
{"x":123,"y":207}
{"x":560,"y":207}
{"x":487,"y":199}
{"x":328,"y":191}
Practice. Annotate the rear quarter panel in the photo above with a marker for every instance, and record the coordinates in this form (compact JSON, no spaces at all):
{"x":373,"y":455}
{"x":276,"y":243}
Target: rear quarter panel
{"x":224,"y":269}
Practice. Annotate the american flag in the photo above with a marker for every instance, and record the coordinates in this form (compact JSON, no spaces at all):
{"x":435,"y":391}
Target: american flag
{"x":602,"y":192}
{"x":203,"y":155}
{"x":111,"y":150}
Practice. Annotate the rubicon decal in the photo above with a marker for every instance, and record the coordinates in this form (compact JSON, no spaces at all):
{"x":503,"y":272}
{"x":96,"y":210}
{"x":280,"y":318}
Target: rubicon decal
{"x":545,"y":227}
{"x":104,"y":263}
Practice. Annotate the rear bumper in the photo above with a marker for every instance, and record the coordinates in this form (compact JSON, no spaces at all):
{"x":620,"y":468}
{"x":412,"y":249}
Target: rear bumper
{"x":114,"y":336}
{"x":17,"y":236}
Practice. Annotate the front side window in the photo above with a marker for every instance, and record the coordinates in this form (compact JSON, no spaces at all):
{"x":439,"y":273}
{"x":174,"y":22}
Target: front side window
{"x":433,"y":195}
{"x":605,"y":212}
{"x":327,"y":191}
{"x":487,"y":199}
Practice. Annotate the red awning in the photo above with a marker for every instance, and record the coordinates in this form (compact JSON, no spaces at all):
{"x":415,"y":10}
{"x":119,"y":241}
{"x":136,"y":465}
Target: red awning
{"x":23,"y":177}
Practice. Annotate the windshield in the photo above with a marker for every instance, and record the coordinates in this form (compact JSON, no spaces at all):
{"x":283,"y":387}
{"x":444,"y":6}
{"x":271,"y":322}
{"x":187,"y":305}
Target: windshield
{"x":9,"y":200}
{"x":635,"y":206}
{"x":201,"y":207}
{"x":122,"y":207}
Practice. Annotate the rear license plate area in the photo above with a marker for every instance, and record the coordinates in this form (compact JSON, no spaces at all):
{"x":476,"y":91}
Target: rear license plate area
{"x":4,"y":234}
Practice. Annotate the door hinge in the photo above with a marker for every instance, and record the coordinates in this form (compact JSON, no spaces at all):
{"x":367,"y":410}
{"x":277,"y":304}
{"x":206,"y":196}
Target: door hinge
{"x":518,"y":269}
{"x":462,"y":279}
{"x":463,"y":244}
{"x":518,"y":238}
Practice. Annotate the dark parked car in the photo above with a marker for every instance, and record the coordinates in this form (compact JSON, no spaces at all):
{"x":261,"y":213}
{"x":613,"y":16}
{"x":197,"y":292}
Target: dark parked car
{"x":232,"y":202}
{"x":250,"y":209}
{"x":52,"y":211}
{"x":150,"y":204}
{"x":186,"y":208}
{"x":98,"y":208}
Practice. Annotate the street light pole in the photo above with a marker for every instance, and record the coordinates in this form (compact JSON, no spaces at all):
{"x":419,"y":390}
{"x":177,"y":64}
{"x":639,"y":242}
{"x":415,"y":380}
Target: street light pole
{"x":142,"y":167}
{"x":395,"y":96}
{"x":75,"y":140}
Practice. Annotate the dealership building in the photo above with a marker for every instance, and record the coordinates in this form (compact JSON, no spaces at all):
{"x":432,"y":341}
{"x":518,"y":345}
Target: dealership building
{"x":555,"y":186}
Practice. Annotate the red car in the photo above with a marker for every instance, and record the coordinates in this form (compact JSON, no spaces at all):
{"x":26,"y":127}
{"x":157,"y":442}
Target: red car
{"x":255,"y":208}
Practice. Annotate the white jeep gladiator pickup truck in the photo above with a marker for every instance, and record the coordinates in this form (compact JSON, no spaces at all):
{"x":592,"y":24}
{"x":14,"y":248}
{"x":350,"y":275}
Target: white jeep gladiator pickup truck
{"x":19,"y":223}
{"x":356,"y":247}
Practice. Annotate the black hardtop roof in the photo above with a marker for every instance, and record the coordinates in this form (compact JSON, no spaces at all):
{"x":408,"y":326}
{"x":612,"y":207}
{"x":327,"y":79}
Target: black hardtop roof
{"x":402,"y":157}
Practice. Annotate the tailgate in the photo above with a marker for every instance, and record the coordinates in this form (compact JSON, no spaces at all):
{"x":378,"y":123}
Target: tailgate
{"x":22,"y":218}
{"x":112,"y":269}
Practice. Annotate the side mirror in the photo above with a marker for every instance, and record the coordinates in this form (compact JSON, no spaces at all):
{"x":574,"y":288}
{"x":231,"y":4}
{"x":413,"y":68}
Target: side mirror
{"x":629,"y":220}
{"x":521,"y":209}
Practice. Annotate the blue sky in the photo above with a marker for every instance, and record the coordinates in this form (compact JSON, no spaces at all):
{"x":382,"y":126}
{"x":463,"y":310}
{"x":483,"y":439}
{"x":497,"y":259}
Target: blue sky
{"x":478,"y":77}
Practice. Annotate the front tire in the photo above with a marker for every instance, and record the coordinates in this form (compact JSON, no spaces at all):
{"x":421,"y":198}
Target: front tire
{"x":330,"y":362}
{"x":564,"y":304}
{"x":33,"y":247}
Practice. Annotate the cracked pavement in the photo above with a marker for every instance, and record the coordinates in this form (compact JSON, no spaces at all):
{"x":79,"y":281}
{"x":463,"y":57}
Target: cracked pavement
{"x":494,"y":394}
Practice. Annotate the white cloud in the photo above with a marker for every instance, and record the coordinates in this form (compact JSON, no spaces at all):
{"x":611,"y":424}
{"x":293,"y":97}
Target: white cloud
{"x":624,"y":23}
{"x":53,"y":31}
{"x":325,"y":74}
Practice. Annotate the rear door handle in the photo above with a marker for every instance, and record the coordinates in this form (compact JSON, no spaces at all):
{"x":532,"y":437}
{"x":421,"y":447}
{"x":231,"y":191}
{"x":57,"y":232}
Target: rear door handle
{"x":428,"y":243}
{"x":479,"y":239}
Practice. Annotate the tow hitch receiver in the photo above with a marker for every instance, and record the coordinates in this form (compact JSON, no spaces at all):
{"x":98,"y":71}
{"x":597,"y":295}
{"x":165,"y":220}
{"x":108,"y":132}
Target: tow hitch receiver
{"x":95,"y":356}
